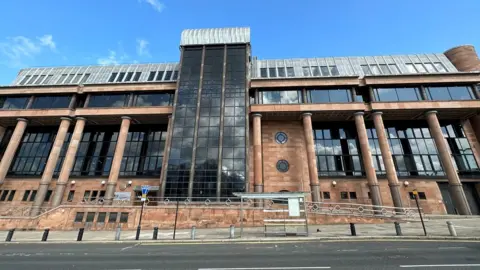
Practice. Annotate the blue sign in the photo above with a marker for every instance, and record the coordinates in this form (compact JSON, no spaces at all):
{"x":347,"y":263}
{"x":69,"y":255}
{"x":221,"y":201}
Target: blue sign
{"x":145,"y":190}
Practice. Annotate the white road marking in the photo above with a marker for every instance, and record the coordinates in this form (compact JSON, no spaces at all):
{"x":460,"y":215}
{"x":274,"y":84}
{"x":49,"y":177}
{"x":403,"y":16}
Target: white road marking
{"x":268,"y":268}
{"x":451,"y":247}
{"x":347,"y":250}
{"x":439,"y":265}
{"x":125,"y":248}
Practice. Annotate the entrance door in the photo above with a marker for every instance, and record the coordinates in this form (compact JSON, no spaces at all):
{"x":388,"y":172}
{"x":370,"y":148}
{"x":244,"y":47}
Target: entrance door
{"x":447,"y":200}
{"x":472,"y":197}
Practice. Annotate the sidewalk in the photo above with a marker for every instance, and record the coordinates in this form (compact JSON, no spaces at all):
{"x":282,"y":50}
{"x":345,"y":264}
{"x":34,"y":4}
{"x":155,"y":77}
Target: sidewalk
{"x":466,"y":229}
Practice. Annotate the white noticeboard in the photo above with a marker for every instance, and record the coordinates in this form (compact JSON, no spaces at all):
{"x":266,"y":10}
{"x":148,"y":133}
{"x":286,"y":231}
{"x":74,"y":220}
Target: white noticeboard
{"x":293,"y":207}
{"x":122,"y":196}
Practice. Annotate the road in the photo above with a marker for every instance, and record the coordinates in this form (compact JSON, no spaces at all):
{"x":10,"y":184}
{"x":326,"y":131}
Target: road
{"x":244,"y":256}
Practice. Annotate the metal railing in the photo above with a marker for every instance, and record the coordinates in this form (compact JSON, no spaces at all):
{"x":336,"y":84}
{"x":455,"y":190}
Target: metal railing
{"x":362,"y":210}
{"x":19,"y":211}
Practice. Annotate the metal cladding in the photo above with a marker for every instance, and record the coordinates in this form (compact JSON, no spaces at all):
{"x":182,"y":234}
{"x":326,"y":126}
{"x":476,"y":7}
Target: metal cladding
{"x":211,"y":36}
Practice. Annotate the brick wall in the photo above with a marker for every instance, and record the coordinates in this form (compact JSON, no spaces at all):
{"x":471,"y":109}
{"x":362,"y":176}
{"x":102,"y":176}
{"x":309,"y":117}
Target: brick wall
{"x":294,"y":151}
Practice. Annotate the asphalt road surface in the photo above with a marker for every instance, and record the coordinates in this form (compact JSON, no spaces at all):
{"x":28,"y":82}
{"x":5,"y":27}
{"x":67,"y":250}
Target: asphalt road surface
{"x":244,"y":256}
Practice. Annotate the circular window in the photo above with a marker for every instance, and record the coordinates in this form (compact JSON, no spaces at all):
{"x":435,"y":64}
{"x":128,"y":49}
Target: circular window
{"x":281,"y":137}
{"x":282,"y":165}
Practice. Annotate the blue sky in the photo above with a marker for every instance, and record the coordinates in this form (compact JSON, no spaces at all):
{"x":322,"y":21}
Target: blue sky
{"x":91,"y":32}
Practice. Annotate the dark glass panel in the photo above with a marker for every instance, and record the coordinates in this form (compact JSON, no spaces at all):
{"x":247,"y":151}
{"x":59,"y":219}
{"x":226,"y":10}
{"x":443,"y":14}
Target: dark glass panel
{"x":157,"y":99}
{"x":51,"y":102}
{"x":108,"y":100}
{"x":13,"y":103}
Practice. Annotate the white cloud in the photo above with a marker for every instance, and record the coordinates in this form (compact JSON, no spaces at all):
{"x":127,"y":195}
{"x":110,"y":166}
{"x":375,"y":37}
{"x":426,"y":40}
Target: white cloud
{"x":16,"y":50}
{"x":157,"y":5}
{"x":47,"y":40}
{"x":113,"y":58}
{"x":142,"y":47}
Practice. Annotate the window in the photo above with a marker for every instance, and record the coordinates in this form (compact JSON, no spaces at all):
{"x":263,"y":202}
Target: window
{"x":144,"y":151}
{"x":384,"y":69}
{"x":3,"y":195}
{"x":124,"y":217}
{"x":290,"y":72}
{"x":175,"y":75}
{"x":375,"y":69}
{"x":337,"y":150}
{"x":151,"y":76}
{"x":282,"y":165}
{"x":79,"y":217}
{"x":26,"y":194}
{"x":94,"y":195}
{"x":410,"y":68}
{"x":33,"y":152}
{"x":316,"y":71}
{"x":51,"y":102}
{"x":460,"y":149}
{"x":450,"y":93}
{"x":112,"y":218}
{"x":263,"y":73}
{"x":107,"y":100}
{"x":281,"y":137}
{"x":168,"y":75}
{"x":112,"y":77}
{"x":344,"y":195}
{"x":11,"y":195}
{"x":153,"y":99}
{"x":430,"y":68}
{"x":397,"y":94}
{"x":413,"y":149}
{"x":281,"y":72}
{"x":129,"y":76}
{"x":394,"y":68}
{"x":24,"y":80}
{"x":90,"y":217}
{"x":70,"y":196}
{"x":353,"y":195}
{"x":281,"y":97}
{"x":33,"y":196}
{"x":86,"y":195}
{"x":366,"y":70}
{"x":49,"y":78}
{"x":48,"y":195}
{"x":421,"y":196}
{"x":69,"y":79}
{"x":329,"y":96}
{"x":160,"y":76}
{"x":272,"y":72}
{"x":326,"y":195}
{"x":13,"y":103}
{"x":420,"y":68}
{"x":306,"y":71}
{"x":334,"y":71}
{"x":101,"y":217}
{"x":137,"y":76}
{"x":440,"y":67}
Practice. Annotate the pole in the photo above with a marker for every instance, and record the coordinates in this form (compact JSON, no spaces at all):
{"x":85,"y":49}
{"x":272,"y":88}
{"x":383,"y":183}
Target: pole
{"x":415,"y":194}
{"x":176,"y":216}
{"x":139,"y":227}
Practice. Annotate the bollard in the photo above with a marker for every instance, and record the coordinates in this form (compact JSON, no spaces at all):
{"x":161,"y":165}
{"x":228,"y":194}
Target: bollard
{"x":137,"y":236}
{"x":155,"y":233}
{"x":80,"y":234}
{"x":192,"y":235}
{"x":352,"y":229}
{"x":451,"y":229}
{"x":398,"y":230}
{"x":117,"y":233}
{"x":9,"y":235}
{"x":232,"y":231}
{"x":45,"y":235}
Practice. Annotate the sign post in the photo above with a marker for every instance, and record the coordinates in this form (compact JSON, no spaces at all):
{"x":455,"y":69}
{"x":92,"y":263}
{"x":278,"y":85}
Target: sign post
{"x":415,"y":195}
{"x":145,"y":190}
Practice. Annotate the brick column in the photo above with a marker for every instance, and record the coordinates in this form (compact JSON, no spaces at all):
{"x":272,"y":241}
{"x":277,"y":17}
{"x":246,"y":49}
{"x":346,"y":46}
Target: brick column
{"x":387,"y":160}
{"x":51,"y":164}
{"x":166,"y":154}
{"x":12,"y":148}
{"x":257,"y":152}
{"x":454,"y":185}
{"x":117,"y":159}
{"x":69,"y":161}
{"x":475,"y":122}
{"x":367,"y":159}
{"x":311,"y":157}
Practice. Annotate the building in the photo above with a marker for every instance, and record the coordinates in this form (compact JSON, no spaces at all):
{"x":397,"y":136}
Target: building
{"x":366,"y":130}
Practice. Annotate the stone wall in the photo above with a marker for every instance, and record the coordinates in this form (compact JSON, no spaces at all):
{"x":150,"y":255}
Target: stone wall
{"x":62,"y":218}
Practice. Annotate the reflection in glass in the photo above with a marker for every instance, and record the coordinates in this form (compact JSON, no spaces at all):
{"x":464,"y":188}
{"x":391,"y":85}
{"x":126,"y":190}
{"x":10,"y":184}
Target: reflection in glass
{"x":329,"y":96}
{"x":280,"y":97}
{"x":13,"y":103}
{"x":107,"y":100}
